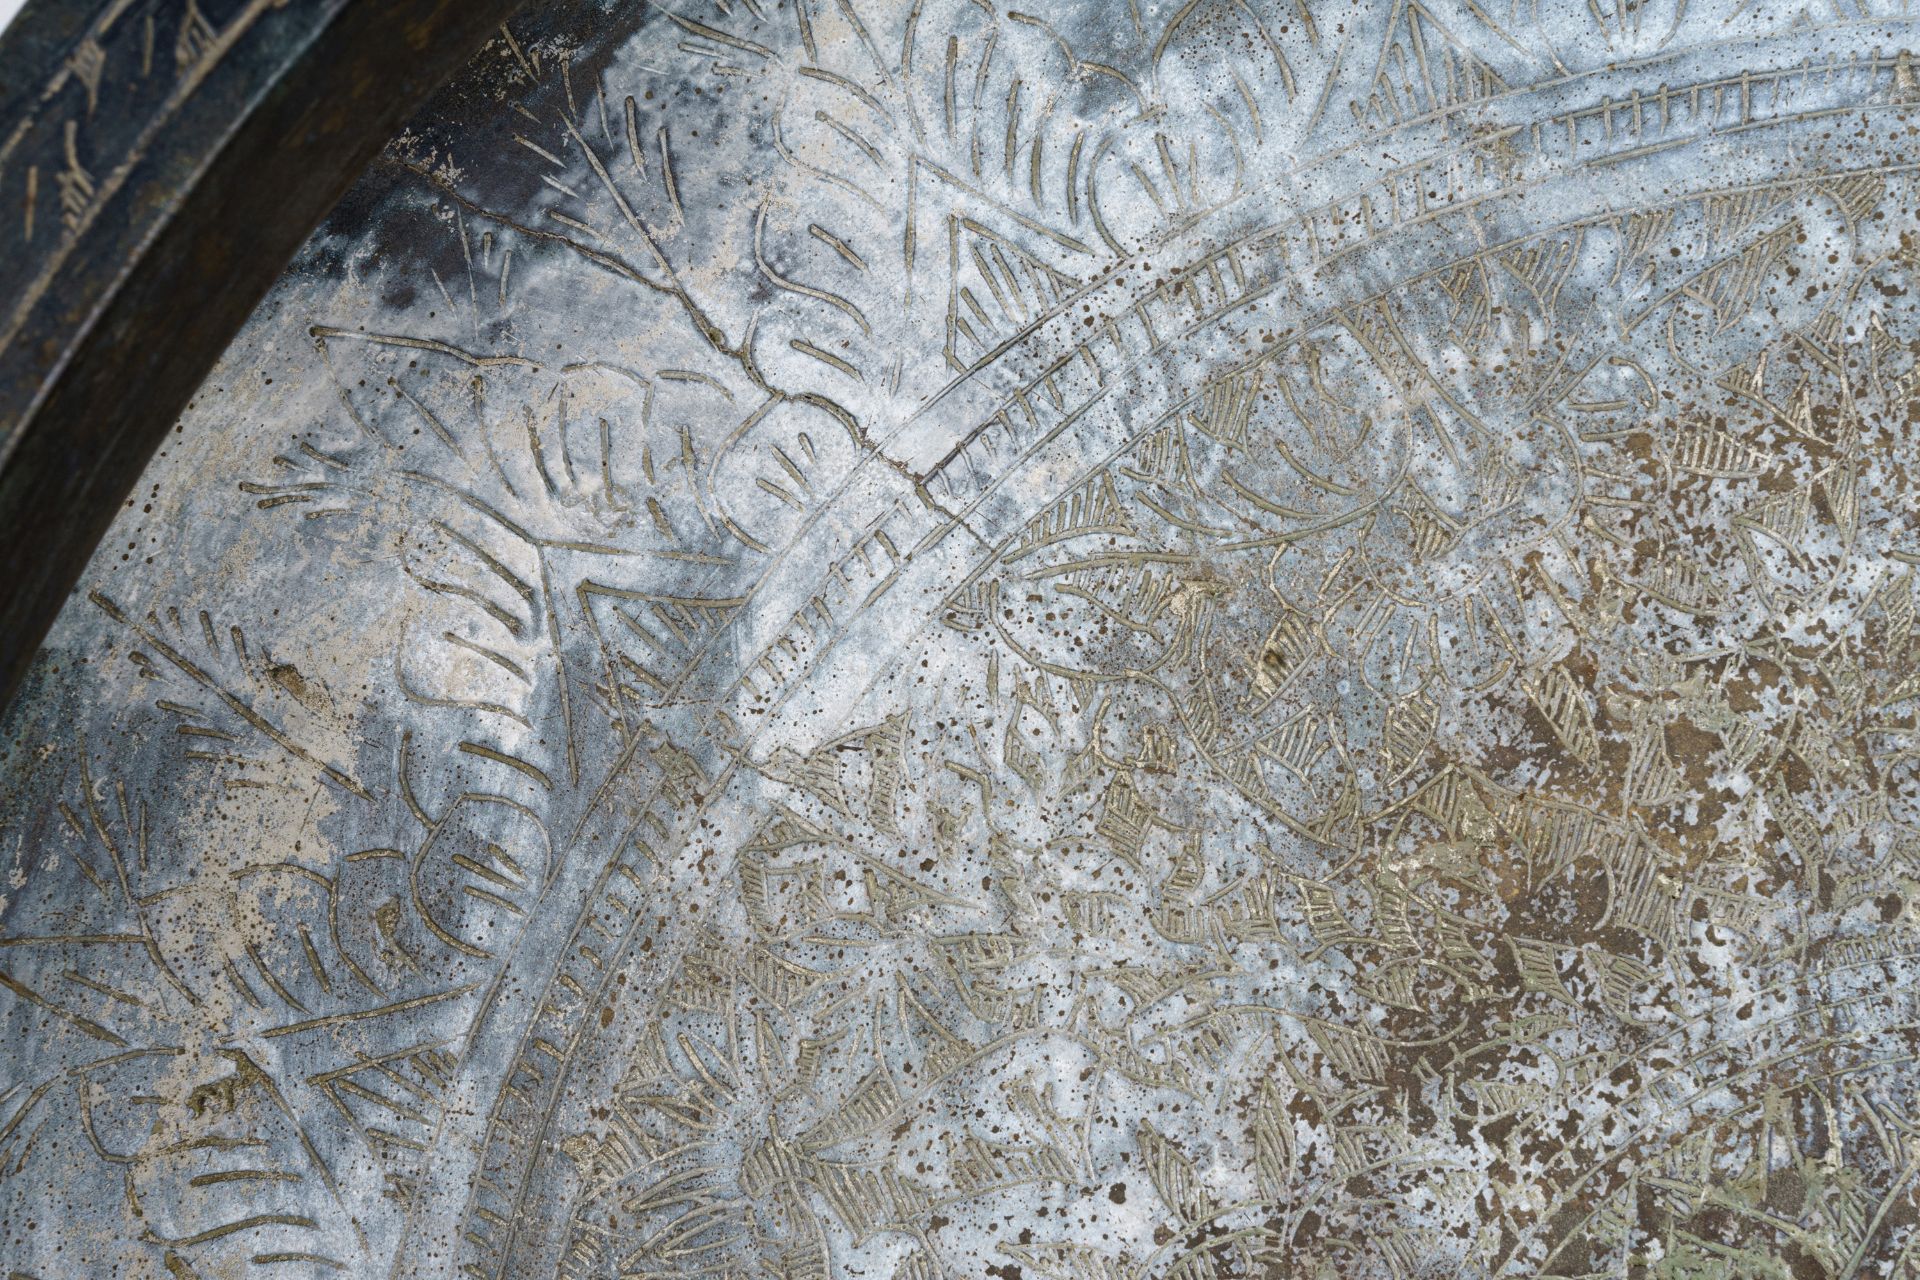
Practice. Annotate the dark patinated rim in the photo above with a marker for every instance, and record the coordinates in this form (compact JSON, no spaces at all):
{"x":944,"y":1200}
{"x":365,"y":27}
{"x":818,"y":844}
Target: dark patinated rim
{"x":139,"y":303}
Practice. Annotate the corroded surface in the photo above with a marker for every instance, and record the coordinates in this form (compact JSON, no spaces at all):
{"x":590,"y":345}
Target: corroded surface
{"x":1113,"y":641}
{"x":160,"y":162}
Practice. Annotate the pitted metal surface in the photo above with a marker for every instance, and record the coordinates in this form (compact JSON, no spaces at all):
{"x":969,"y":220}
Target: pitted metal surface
{"x":1107,"y":641}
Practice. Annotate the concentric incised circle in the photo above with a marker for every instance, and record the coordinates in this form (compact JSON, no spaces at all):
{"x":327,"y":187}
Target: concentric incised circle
{"x":1127,"y":641}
